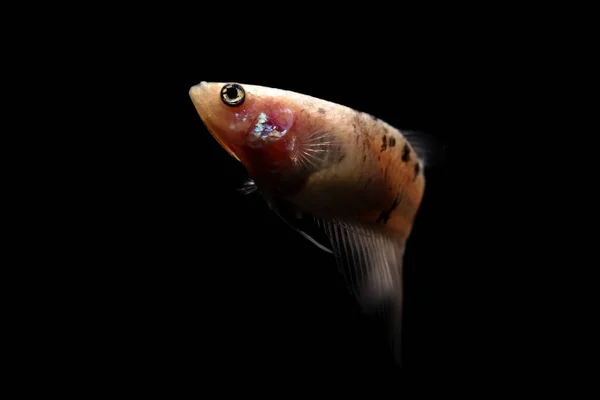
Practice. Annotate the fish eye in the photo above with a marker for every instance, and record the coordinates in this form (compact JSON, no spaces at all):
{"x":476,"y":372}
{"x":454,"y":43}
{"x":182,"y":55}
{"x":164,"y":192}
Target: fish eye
{"x":233,"y":94}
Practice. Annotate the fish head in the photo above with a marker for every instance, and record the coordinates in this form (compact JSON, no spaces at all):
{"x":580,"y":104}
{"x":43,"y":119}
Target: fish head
{"x":254,"y":124}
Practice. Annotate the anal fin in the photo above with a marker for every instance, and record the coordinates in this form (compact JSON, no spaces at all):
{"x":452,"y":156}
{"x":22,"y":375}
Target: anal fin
{"x":371,"y":258}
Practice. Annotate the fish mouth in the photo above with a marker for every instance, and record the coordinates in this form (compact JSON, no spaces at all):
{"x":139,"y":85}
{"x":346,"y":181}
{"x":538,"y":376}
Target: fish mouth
{"x":198,"y":93}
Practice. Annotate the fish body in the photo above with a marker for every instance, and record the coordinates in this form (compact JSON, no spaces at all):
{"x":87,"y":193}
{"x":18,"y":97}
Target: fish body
{"x":359,"y":178}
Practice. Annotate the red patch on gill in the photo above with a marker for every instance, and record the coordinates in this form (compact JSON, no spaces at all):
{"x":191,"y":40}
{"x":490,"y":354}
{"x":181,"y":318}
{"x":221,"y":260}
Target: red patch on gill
{"x":272,"y":169}
{"x":269,"y":146}
{"x":269,"y":125}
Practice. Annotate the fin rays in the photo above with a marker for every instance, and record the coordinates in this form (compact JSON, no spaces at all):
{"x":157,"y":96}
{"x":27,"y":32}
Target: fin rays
{"x":312,"y":150}
{"x":248,"y":187}
{"x":370,"y":259}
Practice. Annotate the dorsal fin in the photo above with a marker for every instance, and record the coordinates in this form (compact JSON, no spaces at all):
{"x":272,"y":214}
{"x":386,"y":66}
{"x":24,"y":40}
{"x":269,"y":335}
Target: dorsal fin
{"x":431,"y":151}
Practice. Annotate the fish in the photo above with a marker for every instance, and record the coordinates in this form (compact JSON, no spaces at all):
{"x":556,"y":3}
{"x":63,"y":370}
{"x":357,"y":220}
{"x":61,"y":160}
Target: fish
{"x":357,"y":180}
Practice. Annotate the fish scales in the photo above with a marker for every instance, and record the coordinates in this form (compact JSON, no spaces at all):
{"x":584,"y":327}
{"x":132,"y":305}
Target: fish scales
{"x":359,"y":178}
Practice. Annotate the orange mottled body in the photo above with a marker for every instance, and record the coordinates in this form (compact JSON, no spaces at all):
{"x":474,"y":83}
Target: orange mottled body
{"x":359,"y":177}
{"x":368,"y":180}
{"x":357,"y":173}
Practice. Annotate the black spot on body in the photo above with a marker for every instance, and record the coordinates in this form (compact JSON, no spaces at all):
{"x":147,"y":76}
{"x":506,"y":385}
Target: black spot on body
{"x":342,"y":157}
{"x":417,"y":169}
{"x":392,"y":141}
{"x":364,"y":158}
{"x":321,"y":110}
{"x":384,"y":143}
{"x":405,"y":152}
{"x":385,"y":215}
{"x":359,"y":121}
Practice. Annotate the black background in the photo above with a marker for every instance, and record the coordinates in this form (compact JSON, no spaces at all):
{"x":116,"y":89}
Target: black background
{"x":155,"y":272}
{"x":196,"y":280}
{"x":227,"y":282}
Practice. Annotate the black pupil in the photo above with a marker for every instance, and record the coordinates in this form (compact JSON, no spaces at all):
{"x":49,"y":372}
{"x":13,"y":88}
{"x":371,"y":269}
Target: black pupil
{"x":231,"y":93}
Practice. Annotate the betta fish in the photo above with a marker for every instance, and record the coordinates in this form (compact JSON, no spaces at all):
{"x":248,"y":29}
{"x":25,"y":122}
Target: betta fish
{"x":358,"y":180}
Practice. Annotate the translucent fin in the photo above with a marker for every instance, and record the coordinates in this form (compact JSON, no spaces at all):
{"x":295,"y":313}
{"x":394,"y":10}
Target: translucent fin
{"x":292,"y":218}
{"x":431,"y":151}
{"x":314,"y":149}
{"x":370,"y":258}
{"x":249,"y":187}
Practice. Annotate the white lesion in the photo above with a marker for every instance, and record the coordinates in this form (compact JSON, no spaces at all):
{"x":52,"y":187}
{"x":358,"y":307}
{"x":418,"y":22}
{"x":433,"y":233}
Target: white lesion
{"x":264,"y":130}
{"x":259,"y":128}
{"x":242,"y":116}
